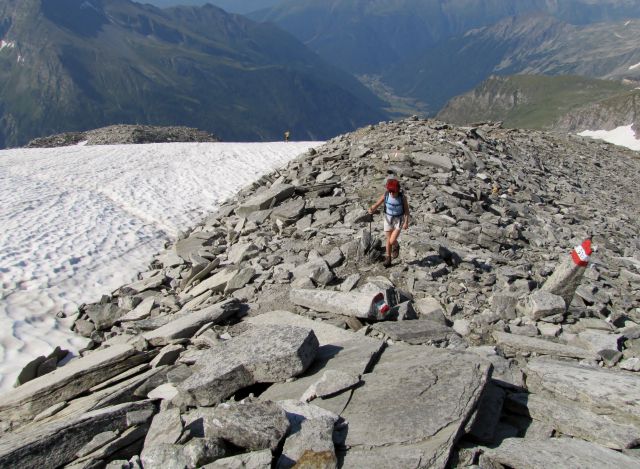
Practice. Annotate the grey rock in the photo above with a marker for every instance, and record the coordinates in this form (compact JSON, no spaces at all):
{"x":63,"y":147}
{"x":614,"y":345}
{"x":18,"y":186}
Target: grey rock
{"x":331,"y":382}
{"x":76,"y":377}
{"x":311,"y":430}
{"x":334,"y":258}
{"x":240,"y":279}
{"x":528,"y":330}
{"x":435,"y":160}
{"x":429,"y":308}
{"x":241,"y":251}
{"x":187,"y":247}
{"x":139,"y":417}
{"x":142,"y":311}
{"x":440,"y":391}
{"x":126,"y":438}
{"x":264,"y":354}
{"x":570,"y":419}
{"x":289,"y":212}
{"x":359,"y":305}
{"x":349,"y":283}
{"x":322,"y":203}
{"x":597,"y":341}
{"x":266,"y":199}
{"x":541,"y":304}
{"x":416,"y":332}
{"x":200,"y":451}
{"x":148,"y":283}
{"x":554,"y":452}
{"x":83,"y":327}
{"x":603,"y":391}
{"x":504,"y":303}
{"x":188,"y":324}
{"x":167,"y":355}
{"x":565,"y":280}
{"x":318,"y":271}
{"x":549,"y":330}
{"x":96,"y":442}
{"x":164,"y":456}
{"x":198,"y":275}
{"x":104,"y":316}
{"x":30,"y":370}
{"x":55,"y":444}
{"x":402,"y":312}
{"x":254,"y":460}
{"x":253,"y":425}
{"x":166,"y":428}
{"x":216,"y":283}
{"x":166,"y":391}
{"x":512,"y":343}
{"x":339,"y":350}
{"x":485,"y":421}
{"x":462,"y":327}
{"x":314,"y":436}
{"x":631,"y":364}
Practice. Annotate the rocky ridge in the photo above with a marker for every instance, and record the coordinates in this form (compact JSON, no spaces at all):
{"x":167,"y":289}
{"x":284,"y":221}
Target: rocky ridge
{"x":125,"y":134}
{"x":252,"y":341}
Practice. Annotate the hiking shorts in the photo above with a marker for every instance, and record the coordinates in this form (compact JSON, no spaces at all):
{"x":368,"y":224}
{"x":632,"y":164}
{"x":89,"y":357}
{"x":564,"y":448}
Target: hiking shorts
{"x":392,"y":223}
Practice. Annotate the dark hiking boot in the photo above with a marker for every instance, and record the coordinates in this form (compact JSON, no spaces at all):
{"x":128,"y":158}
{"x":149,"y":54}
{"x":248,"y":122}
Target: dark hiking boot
{"x":395,"y":250}
{"x":387,"y":261}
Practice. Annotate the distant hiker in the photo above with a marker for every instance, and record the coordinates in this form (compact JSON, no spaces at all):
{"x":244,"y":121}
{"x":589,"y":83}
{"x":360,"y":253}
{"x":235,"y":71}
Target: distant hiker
{"x":286,"y":136}
{"x":396,"y":217}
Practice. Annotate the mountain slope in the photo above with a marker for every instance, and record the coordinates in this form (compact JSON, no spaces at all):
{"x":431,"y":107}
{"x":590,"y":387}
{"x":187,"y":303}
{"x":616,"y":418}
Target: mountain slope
{"x":535,"y":102}
{"x":362,"y":36}
{"x":70,"y":65}
{"x":537,"y":44}
{"x":232,"y":6}
{"x":617,"y":111}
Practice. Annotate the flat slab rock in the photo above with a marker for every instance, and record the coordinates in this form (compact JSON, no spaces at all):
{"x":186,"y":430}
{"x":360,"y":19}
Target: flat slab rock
{"x":571,"y":419}
{"x":415,"y":402}
{"x":340,"y":350}
{"x":64,"y":383}
{"x":566,"y":453}
{"x":56,"y":444}
{"x":254,"y":460}
{"x":264,"y":354}
{"x":253,"y":425}
{"x":520,"y":343}
{"x":187,"y":325}
{"x":609,"y":392}
{"x":265,"y":199}
{"x":415,"y":332}
{"x":354,"y":304}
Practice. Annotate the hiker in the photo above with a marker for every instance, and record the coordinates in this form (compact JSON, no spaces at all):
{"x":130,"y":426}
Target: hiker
{"x":396,"y":217}
{"x":286,"y":136}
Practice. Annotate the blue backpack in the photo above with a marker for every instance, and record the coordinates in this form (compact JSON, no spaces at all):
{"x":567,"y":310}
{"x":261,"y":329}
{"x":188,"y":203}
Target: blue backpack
{"x":394,"y":210}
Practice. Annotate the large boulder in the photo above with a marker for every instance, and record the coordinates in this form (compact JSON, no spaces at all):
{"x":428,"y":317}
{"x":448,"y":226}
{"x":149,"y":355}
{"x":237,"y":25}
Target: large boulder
{"x":78,"y":376}
{"x":412,"y":407}
{"x":264,"y":354}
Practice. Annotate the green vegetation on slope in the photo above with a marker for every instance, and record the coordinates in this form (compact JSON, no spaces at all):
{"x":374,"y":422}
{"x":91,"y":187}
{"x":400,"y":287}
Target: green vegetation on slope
{"x":529,"y":101}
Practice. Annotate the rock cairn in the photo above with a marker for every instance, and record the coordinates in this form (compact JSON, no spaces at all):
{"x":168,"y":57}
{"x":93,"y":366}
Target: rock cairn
{"x":124,"y":134}
{"x":253,"y":340}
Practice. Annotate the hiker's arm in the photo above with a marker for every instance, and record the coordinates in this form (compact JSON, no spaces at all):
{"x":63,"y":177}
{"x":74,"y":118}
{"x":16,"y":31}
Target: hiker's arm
{"x":405,"y":203}
{"x":375,"y":206}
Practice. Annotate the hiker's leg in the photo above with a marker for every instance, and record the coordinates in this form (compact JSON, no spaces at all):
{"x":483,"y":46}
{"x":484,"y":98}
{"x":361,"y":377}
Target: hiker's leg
{"x":392,"y":239}
{"x":388,"y":235}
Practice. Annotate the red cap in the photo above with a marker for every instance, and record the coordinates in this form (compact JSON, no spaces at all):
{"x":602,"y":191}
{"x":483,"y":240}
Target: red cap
{"x":393,"y":185}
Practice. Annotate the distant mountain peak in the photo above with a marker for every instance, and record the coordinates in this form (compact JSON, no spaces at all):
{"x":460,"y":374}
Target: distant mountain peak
{"x":72,"y":65}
